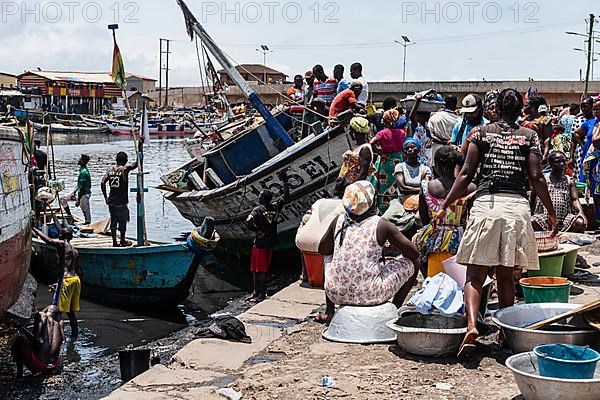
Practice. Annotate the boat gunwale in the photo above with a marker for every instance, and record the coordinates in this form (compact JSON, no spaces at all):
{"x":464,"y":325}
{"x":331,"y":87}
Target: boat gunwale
{"x":261,"y":171}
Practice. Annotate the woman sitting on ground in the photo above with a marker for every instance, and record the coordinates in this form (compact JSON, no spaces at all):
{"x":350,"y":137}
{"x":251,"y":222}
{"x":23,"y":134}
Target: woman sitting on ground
{"x":390,"y":141}
{"x":564,"y":196}
{"x":410,"y":173}
{"x":357,"y":274}
{"x":499,"y":233}
{"x":439,"y":240}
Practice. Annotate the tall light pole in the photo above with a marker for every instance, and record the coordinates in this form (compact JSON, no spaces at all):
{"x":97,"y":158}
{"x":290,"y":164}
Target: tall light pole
{"x":590,"y":38}
{"x":264,"y":49}
{"x":405,"y":43}
{"x":594,"y":54}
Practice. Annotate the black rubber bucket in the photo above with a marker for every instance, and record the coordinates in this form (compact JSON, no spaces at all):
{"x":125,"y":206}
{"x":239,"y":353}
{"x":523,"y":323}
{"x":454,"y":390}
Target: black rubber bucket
{"x":133,"y":363}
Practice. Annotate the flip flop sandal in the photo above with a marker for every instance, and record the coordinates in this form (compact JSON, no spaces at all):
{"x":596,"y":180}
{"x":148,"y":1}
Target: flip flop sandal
{"x":466,"y":349}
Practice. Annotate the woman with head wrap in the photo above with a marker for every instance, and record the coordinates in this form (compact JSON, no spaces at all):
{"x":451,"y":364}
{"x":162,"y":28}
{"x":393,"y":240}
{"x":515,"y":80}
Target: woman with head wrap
{"x":356,"y":273}
{"x":408,"y":176}
{"x":390,"y":142}
{"x":357,"y":164}
{"x":410,"y":173}
{"x":359,"y":129}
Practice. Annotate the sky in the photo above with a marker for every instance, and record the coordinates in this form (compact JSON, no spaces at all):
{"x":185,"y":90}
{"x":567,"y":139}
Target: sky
{"x":453,"y":40}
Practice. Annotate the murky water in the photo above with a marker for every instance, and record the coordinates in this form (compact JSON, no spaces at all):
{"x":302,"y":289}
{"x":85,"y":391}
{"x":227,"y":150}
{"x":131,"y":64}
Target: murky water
{"x":163,"y":222}
{"x":105,"y":329}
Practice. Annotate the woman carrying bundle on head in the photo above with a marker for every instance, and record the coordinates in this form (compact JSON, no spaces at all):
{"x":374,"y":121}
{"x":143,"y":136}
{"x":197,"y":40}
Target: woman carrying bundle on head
{"x":390,"y":141}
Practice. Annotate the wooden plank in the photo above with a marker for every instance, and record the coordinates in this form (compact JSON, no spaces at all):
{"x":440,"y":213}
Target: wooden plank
{"x":579,"y":310}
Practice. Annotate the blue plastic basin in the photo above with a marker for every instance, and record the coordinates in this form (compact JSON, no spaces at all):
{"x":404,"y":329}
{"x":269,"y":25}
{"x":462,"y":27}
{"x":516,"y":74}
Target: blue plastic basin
{"x":566,"y":361}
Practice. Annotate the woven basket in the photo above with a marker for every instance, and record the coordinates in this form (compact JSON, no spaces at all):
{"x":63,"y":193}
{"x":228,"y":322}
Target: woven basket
{"x":545,"y":241}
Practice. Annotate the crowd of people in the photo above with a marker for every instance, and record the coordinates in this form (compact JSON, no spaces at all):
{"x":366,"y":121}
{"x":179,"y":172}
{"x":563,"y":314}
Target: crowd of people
{"x":492,"y":171}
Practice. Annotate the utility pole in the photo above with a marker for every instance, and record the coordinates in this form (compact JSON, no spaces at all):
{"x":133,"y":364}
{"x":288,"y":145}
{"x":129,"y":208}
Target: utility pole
{"x":590,"y":55}
{"x":166,"y":69}
{"x":167,"y":77}
{"x":160,"y":53}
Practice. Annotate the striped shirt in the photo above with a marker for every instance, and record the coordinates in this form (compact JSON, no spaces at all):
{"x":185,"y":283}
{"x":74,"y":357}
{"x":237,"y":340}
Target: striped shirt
{"x":326,"y":91}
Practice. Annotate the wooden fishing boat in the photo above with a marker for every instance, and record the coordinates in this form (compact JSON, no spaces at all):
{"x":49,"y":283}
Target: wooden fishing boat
{"x":73,"y":127}
{"x":225,"y":181}
{"x":15,"y":217}
{"x":158,"y":275}
{"x":156,"y":128}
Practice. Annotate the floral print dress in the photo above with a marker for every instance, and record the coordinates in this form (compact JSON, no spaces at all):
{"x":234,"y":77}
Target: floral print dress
{"x":445,"y":236}
{"x":357,"y":273}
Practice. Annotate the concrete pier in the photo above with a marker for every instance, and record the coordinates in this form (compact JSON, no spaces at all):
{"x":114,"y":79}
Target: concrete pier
{"x":288,"y":358}
{"x":204,"y":365}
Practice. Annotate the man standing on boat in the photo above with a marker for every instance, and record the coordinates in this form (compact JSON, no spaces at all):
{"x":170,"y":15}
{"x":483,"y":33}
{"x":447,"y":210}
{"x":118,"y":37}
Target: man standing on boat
{"x":117,"y":178}
{"x":81,"y":195}
{"x":68,"y":287}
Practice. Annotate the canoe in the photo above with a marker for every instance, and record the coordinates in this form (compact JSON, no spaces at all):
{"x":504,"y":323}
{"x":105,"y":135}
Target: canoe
{"x":158,"y":275}
{"x":15,"y":218}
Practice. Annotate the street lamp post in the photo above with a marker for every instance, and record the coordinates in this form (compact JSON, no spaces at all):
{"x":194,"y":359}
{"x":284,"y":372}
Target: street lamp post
{"x":264,"y":49}
{"x":591,"y":38}
{"x":405,"y":43}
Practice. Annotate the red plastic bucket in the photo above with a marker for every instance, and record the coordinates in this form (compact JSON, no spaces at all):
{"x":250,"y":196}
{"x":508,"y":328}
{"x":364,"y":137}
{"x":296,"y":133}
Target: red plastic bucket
{"x":315,"y":268}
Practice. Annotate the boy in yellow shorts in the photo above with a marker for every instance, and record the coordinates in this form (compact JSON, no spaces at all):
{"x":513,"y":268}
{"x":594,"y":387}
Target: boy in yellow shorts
{"x":68,"y":289}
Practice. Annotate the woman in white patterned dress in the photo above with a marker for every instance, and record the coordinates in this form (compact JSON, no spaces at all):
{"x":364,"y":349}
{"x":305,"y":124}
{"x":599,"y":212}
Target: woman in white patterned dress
{"x":357,"y":273}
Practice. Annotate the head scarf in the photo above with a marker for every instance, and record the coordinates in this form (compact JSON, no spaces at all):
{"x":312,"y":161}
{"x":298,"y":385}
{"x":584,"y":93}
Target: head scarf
{"x":391,"y":116}
{"x":490,"y":99}
{"x":360,"y":125}
{"x":413,"y":141}
{"x":358,"y":197}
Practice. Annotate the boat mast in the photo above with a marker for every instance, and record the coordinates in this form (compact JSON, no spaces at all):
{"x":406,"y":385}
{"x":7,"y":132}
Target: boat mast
{"x":273,"y":126}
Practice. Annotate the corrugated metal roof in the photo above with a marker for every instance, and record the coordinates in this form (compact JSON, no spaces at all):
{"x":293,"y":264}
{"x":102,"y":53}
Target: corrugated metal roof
{"x":254,"y":69}
{"x":82,"y":77}
{"x":66,"y":76}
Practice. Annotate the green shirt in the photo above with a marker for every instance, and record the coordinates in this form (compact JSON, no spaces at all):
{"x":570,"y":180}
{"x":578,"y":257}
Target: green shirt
{"x":84,"y":182}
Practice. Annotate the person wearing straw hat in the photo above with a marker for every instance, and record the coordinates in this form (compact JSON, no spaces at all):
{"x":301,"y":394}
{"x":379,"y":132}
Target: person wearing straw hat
{"x":355,"y":272}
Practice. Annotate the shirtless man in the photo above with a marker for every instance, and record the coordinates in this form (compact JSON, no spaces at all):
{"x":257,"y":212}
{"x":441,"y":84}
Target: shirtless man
{"x":39,"y":351}
{"x":68,"y":266}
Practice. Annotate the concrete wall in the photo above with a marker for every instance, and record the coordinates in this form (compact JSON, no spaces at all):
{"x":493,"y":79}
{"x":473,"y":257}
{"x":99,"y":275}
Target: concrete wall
{"x":556,"y":92}
{"x":8,"y":81}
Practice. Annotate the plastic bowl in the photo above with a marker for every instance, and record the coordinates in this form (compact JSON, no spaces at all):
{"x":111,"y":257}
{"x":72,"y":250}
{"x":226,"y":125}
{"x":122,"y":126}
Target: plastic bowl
{"x":566,"y":361}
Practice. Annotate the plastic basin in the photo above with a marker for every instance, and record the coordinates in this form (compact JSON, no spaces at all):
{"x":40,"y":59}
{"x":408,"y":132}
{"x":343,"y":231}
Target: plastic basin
{"x":566,"y":361}
{"x":568,"y":268}
{"x":435,"y":262}
{"x":549,"y":266}
{"x":314,"y":268}
{"x":546,"y":289}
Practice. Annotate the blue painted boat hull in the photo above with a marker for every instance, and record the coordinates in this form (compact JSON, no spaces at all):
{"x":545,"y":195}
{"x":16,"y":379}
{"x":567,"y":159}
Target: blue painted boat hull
{"x":131,"y":277}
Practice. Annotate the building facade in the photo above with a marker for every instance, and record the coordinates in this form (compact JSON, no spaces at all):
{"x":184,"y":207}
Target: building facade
{"x":80,"y":92}
{"x":254,"y":73}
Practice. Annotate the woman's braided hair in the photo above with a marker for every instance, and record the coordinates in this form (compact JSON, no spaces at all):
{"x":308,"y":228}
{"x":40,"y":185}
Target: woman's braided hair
{"x":509,"y":103}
